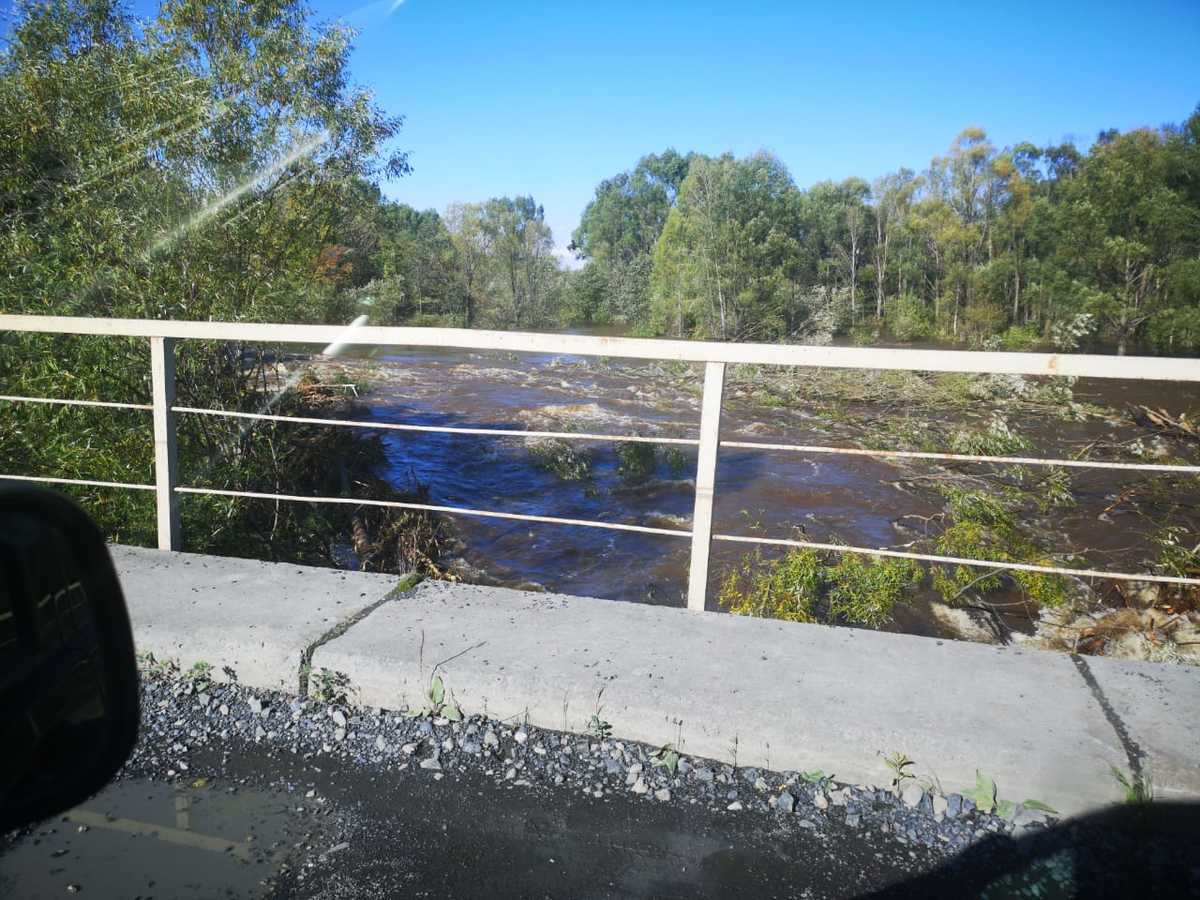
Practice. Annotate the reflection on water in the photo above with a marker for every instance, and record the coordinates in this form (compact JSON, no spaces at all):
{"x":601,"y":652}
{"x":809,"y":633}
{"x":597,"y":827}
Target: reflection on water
{"x":141,"y":838}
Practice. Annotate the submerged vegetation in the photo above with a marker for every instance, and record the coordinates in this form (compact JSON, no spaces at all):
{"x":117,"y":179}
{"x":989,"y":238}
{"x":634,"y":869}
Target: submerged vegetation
{"x":999,"y":512}
{"x":982,"y":526}
{"x":566,"y":460}
{"x":808,"y":585}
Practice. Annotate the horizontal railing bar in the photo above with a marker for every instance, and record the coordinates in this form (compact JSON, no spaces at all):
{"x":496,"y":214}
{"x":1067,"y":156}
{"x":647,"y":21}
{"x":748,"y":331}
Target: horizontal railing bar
{"x":64,"y":402}
{"x":80,"y":481}
{"x":963,"y":457}
{"x":653,"y":349}
{"x":955,"y":560}
{"x":401,"y":426}
{"x":429,"y":507}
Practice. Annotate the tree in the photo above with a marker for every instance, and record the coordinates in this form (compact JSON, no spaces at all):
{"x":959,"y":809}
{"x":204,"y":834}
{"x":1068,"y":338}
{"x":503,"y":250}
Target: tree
{"x":619,"y":229}
{"x":524,"y":270}
{"x":893,"y":198}
{"x":473,"y":245}
{"x":1127,"y":220}
{"x":721,"y":267}
{"x":197,"y":166}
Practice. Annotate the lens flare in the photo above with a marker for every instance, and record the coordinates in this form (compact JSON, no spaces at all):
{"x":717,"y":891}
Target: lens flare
{"x":304,"y":148}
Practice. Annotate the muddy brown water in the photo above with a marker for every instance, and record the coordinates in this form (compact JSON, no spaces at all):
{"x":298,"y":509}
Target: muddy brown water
{"x":857,"y":500}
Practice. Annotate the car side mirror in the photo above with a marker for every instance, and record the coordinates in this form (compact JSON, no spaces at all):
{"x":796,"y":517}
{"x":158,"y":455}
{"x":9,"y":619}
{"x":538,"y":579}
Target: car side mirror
{"x":68,"y":672}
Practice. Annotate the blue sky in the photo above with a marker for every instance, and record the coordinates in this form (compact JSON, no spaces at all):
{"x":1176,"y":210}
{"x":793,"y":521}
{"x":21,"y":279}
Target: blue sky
{"x":548,"y":99}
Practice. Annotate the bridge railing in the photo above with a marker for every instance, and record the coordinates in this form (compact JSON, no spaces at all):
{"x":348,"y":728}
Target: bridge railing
{"x":163,"y":336}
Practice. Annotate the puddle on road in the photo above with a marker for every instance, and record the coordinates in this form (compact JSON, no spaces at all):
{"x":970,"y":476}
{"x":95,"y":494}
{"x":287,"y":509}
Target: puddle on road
{"x":140,"y":838}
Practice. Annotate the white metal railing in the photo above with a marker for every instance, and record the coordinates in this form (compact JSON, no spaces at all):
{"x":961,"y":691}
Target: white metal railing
{"x":163,"y":336}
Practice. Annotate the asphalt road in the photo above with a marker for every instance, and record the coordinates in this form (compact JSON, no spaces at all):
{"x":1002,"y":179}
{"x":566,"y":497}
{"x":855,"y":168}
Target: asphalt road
{"x":205,"y":811}
{"x":275,"y":825}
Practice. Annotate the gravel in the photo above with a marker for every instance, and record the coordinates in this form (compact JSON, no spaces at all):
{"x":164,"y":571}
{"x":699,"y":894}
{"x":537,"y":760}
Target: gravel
{"x":175,"y":721}
{"x":912,"y":795}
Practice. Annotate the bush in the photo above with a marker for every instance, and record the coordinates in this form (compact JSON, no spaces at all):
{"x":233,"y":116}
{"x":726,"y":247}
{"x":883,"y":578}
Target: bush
{"x":786,"y":588}
{"x":998,"y":439}
{"x":562,"y":458}
{"x":1021,"y":337}
{"x":907,"y":319}
{"x":980,"y":321}
{"x":982,"y":527}
{"x":865,"y":590}
{"x":807,"y":586}
{"x":636,"y":460}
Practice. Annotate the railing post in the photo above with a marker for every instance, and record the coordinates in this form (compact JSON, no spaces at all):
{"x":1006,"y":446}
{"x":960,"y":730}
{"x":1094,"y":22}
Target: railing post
{"x":706,"y":476}
{"x":166,"y":476}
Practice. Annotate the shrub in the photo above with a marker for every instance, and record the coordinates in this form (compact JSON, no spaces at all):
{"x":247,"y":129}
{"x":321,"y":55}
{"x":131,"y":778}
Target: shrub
{"x":907,"y":318}
{"x":865,"y":590}
{"x":807,"y":586}
{"x":562,"y":458}
{"x":787,"y":588}
{"x":997,"y":439}
{"x":676,"y":460}
{"x":1021,"y":337}
{"x":982,"y":527}
{"x":636,"y":460}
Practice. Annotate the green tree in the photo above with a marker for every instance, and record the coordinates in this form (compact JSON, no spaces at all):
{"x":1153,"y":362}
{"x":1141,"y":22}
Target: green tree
{"x":618,"y":231}
{"x":721,"y":267}
{"x":195,"y":166}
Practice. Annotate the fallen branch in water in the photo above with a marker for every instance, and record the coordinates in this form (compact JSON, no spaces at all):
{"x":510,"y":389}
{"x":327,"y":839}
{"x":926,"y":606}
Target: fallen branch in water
{"x":1162,"y":420}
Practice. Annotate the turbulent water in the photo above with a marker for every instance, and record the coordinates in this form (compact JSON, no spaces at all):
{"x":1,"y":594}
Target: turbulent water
{"x":857,"y":500}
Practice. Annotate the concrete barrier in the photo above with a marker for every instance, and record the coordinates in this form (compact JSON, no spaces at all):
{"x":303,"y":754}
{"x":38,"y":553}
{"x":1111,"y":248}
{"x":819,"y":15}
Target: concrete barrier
{"x":258,"y":619}
{"x":789,"y":696}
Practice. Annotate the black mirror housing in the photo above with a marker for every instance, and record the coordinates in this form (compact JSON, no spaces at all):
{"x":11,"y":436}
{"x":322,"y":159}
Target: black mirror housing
{"x":68,"y":672}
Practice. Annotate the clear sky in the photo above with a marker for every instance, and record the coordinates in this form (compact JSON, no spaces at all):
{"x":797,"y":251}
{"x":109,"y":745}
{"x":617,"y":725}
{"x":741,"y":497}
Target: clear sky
{"x":547,"y":99}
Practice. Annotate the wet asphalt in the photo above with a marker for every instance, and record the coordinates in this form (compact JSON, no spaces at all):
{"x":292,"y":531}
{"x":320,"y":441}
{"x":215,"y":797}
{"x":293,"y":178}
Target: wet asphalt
{"x":270,"y":825}
{"x":213,"y":805}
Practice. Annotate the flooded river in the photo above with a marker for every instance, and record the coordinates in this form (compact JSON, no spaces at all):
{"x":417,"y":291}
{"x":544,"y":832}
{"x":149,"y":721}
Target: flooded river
{"x":856,"y":500}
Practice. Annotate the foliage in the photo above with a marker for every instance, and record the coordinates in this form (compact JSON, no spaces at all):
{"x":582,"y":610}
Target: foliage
{"x":199,"y":676}
{"x":676,"y":460}
{"x":983,"y":795}
{"x":438,"y":703}
{"x":786,"y":588}
{"x":987,"y":800}
{"x":817,"y":777}
{"x":666,"y":757}
{"x":617,"y":234}
{"x":997,"y":439}
{"x":982,"y":526}
{"x":1021,"y":337}
{"x":806,"y":585}
{"x":165,"y":668}
{"x":1069,"y":333}
{"x":899,"y":764}
{"x":1023,"y":243}
{"x":636,"y":460}
{"x":908,"y":318}
{"x":214,"y":162}
{"x":561,"y":457}
{"x":1138,"y":786}
{"x":329,"y":686}
{"x":865,"y":590}
{"x":599,"y":728}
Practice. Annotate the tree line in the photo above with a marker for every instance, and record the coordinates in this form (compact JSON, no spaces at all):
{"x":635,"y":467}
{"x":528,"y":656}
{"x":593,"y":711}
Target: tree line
{"x":1018,"y":246}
